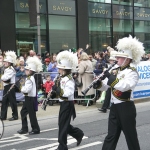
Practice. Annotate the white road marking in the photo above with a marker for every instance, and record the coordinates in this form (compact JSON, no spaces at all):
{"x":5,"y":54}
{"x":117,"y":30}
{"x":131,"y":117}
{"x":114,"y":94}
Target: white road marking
{"x":22,"y":137}
{"x":86,"y":145}
{"x":53,"y":146}
{"x":69,"y":142}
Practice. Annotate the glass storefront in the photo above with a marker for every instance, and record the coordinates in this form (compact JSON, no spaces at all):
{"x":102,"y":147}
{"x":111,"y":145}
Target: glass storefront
{"x":62,"y":25}
{"x":26,"y":37}
{"x":122,"y":22}
{"x":109,"y":20}
{"x":58,"y":25}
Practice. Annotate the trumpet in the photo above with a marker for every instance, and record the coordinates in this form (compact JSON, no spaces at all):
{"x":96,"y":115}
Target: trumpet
{"x":98,"y":78}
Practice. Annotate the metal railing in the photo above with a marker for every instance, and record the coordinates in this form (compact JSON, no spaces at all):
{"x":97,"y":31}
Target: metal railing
{"x":78,"y":98}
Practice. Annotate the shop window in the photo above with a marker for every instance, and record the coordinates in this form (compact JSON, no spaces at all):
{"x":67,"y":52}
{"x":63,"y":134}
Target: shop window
{"x":26,"y":36}
{"x":142,"y":32}
{"x":123,"y":2}
{"x":102,"y":1}
{"x":121,"y":28}
{"x":142,"y":3}
{"x":62,"y":32}
{"x":99,"y":33}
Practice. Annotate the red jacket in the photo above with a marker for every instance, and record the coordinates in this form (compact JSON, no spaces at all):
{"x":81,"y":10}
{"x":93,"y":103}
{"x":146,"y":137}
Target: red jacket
{"x":48,"y":86}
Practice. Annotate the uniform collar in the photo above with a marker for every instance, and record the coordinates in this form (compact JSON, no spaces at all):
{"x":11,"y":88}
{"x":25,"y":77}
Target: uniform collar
{"x":124,"y":67}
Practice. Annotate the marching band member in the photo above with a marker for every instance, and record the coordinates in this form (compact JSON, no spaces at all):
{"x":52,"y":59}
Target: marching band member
{"x":29,"y":89}
{"x":9,"y":79}
{"x":122,"y":81}
{"x":66,"y":61}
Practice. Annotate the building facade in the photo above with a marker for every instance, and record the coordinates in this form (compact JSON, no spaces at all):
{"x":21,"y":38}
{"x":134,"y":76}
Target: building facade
{"x":67,"y":24}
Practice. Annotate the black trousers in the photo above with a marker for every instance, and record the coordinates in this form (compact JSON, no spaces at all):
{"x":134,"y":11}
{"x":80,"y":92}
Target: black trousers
{"x":67,"y":110}
{"x":122,"y":117}
{"x":106,"y":103}
{"x":9,"y":98}
{"x":29,"y":108}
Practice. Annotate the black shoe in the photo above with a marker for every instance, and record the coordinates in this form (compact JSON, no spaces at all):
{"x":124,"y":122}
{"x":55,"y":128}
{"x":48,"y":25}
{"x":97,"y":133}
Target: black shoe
{"x":102,"y":110}
{"x":13,"y":118}
{"x":22,"y":131}
{"x":79,"y":140}
{"x":34,"y":132}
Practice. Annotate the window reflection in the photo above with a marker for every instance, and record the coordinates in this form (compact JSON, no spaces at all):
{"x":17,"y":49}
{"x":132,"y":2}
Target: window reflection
{"x":99,"y":33}
{"x":62,"y":32}
{"x":121,"y":28}
{"x":104,"y":1}
{"x":142,"y":3}
{"x":122,"y":2}
{"x":27,"y":36}
{"x":142,"y":31}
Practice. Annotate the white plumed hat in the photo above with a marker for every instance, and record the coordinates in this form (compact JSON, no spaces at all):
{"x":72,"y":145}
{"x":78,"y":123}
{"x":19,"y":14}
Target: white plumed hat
{"x":112,"y":55}
{"x":34,"y":64}
{"x":10,"y":56}
{"x":67,"y":60}
{"x":130,"y":47}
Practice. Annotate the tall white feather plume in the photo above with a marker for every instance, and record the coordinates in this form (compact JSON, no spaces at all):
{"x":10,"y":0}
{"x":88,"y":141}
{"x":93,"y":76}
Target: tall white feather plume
{"x":72,"y":58}
{"x":35,"y":60}
{"x":133,"y":44}
{"x":13,"y":56}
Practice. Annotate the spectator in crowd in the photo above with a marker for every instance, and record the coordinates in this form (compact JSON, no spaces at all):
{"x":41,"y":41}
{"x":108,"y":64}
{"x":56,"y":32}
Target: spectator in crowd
{"x":52,"y":67}
{"x":100,"y":65}
{"x":45,"y":65}
{"x":1,"y":71}
{"x":20,"y":70}
{"x":92,"y":60}
{"x":1,"y":60}
{"x":48,"y":85}
{"x":145,"y":57}
{"x":106,"y":56}
{"x":45,"y":55}
{"x":39,"y":57}
{"x":85,"y":76}
{"x":79,"y":52}
{"x":148,"y":57}
{"x":32,"y":53}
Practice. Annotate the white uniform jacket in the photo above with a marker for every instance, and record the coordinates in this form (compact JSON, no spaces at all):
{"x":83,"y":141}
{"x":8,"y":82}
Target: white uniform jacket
{"x":9,"y":73}
{"x":126,"y":80}
{"x":67,"y":86}
{"x":29,"y":88}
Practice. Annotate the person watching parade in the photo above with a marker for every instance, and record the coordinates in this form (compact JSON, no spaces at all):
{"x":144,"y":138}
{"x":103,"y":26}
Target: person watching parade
{"x":30,"y":91}
{"x":64,"y":88}
{"x":8,"y":79}
{"x":122,"y":81}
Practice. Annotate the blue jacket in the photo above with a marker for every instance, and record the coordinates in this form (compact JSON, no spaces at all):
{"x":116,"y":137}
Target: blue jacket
{"x":100,"y":65}
{"x":51,"y":69}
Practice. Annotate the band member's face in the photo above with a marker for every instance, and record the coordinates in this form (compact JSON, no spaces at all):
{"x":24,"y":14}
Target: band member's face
{"x":27,"y":72}
{"x":122,"y":61}
{"x":61,"y":71}
{"x":111,"y":61}
{"x":6,"y":64}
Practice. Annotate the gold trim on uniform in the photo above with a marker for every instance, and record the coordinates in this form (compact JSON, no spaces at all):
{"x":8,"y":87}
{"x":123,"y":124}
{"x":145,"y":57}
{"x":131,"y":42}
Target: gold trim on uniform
{"x":115,"y":82}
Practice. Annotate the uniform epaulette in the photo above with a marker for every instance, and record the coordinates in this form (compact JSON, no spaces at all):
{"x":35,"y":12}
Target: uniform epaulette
{"x":132,"y":68}
{"x":28,"y":77}
{"x":69,"y":76}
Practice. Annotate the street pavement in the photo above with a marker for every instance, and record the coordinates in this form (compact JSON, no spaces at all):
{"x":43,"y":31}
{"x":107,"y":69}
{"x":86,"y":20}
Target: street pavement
{"x":89,"y":119}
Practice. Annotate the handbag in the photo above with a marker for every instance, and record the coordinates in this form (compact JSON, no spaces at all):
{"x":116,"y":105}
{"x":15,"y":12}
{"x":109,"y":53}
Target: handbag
{"x":77,"y":83}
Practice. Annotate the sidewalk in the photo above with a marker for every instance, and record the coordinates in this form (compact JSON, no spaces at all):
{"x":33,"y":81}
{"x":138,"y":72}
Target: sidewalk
{"x":50,"y":111}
